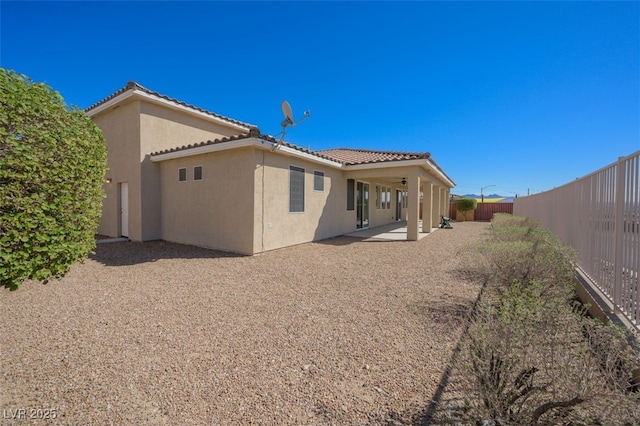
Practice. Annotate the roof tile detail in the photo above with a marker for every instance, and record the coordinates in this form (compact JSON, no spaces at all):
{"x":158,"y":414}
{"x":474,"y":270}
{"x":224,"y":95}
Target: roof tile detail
{"x":348,"y":156}
{"x":254,"y":133}
{"x":345,"y":156}
{"x":205,"y":143}
{"x":132,"y":85}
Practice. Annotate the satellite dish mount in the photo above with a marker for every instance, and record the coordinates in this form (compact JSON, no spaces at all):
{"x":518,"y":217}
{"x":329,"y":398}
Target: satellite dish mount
{"x":288,"y":121}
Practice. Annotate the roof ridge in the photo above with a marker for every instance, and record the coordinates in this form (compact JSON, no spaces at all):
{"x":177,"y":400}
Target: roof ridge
{"x":425,"y":154}
{"x":133,"y":85}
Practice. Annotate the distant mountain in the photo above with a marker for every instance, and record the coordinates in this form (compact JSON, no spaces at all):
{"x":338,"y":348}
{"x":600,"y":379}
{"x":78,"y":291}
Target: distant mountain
{"x":489,"y":198}
{"x":486,"y":196}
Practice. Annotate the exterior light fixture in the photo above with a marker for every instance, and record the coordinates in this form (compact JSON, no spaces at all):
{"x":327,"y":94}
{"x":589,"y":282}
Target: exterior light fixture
{"x":107,"y":180}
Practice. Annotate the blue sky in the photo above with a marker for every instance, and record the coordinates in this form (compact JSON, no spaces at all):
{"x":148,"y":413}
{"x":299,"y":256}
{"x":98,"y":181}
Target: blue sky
{"x":525,"y":96}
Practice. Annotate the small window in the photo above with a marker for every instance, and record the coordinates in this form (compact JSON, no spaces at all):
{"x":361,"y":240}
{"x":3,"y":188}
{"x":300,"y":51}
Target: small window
{"x":197,"y":173}
{"x":318,"y":180}
{"x":296,"y":189}
{"x":182,"y":174}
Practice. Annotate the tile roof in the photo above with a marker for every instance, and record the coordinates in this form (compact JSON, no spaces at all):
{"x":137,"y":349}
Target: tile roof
{"x":350,"y":156}
{"x":253,"y":133}
{"x":344,"y":156}
{"x":131,"y":85}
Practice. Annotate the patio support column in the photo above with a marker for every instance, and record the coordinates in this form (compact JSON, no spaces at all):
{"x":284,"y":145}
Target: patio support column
{"x":413,"y":210}
{"x":427,"y":207}
{"x":437,"y":206}
{"x":445,"y":201}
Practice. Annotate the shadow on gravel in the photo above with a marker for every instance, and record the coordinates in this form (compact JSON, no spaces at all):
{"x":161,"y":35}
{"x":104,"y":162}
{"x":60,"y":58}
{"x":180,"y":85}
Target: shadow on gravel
{"x":429,"y":416}
{"x":342,"y":240}
{"x":345,"y":240}
{"x":132,"y":253}
{"x":441,"y":411}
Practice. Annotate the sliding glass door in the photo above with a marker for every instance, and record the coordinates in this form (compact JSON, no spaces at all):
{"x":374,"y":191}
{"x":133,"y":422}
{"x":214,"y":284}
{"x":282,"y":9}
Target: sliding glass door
{"x":362,"y":205}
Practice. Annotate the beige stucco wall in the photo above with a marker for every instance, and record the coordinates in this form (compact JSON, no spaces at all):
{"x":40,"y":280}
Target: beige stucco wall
{"x":164,"y":128}
{"x":325,"y":212}
{"x":121,"y":130}
{"x":216,"y":212}
{"x":133,"y":130}
{"x":242,"y":203}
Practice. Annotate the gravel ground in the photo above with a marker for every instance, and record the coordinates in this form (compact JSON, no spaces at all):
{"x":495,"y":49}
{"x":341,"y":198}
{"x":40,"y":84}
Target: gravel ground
{"x":342,"y":331}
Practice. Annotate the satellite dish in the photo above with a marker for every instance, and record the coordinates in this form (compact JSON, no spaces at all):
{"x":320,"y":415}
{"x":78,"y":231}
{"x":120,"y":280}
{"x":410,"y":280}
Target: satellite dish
{"x":288,"y":115}
{"x":288,"y":121}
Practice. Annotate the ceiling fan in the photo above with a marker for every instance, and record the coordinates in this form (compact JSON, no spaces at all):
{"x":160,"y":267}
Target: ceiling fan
{"x":402,"y":182}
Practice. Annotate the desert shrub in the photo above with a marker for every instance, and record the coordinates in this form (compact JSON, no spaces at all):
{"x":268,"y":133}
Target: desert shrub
{"x":507,"y":220}
{"x":530,"y":355}
{"x":52,"y":166}
{"x":522,"y":254}
{"x":466,"y":204}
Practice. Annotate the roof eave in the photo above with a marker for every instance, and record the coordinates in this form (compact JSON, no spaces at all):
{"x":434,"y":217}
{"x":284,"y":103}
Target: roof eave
{"x":142,"y":95}
{"x":257,"y":142}
{"x":423,"y":162}
{"x":266,"y":143}
{"x":204,"y":149}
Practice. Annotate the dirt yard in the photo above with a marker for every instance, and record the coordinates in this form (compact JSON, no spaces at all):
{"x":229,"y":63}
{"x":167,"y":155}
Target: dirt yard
{"x":342,"y":331}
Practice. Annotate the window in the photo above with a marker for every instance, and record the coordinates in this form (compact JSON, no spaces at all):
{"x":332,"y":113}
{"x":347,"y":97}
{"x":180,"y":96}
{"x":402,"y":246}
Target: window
{"x":296,"y":189}
{"x":197,"y":173}
{"x":383,"y":197}
{"x":182,"y":174}
{"x":318,"y":180}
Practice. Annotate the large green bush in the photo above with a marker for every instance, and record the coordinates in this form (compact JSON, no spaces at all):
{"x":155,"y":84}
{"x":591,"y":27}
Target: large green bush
{"x":52,"y":167}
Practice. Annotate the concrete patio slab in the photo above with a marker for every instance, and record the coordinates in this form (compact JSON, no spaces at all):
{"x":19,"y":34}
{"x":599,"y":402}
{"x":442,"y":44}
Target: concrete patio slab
{"x":394,"y":231}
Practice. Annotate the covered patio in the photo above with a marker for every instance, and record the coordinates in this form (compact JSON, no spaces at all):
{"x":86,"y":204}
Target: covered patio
{"x":393,"y":231}
{"x":427,"y":188}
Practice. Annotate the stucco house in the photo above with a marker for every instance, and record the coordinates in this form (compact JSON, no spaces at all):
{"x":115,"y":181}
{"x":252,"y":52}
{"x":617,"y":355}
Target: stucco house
{"x":183,"y":174}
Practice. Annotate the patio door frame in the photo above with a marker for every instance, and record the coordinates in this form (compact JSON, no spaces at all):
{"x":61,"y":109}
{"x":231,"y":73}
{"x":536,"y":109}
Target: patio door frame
{"x":398,"y":205}
{"x":363,"y":205}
